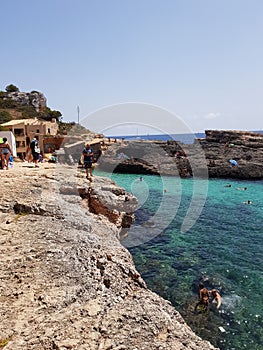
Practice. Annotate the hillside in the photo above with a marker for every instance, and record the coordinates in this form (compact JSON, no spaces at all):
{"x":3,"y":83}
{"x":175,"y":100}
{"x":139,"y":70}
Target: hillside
{"x":15,"y":104}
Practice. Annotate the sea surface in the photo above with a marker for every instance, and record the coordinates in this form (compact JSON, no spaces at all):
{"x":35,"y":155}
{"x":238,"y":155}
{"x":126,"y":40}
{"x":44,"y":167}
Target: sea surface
{"x":183,"y":138}
{"x":223,"y":248}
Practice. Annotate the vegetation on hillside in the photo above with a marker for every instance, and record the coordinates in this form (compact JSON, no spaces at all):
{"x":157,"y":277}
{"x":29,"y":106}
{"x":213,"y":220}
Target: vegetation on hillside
{"x":11,"y":88}
{"x":5,"y":117}
{"x":72,"y":128}
{"x":10,"y":109}
{"x":26,"y":111}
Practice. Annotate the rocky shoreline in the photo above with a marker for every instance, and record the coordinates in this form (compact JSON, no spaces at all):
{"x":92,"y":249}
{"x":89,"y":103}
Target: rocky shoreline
{"x":209,"y":157}
{"x":66,"y":281}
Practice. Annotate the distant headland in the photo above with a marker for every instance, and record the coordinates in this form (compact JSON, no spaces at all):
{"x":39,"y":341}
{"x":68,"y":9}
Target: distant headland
{"x":221,"y":153}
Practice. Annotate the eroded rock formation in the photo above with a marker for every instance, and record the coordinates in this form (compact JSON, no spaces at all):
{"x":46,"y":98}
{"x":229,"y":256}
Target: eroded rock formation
{"x":66,"y":281}
{"x":209,"y":157}
{"x":34,"y":98}
{"x":246,"y":148}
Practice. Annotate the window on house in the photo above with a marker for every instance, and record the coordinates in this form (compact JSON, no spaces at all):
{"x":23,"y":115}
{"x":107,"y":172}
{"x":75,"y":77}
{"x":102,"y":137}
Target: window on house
{"x":37,"y":131}
{"x":19,"y":132}
{"x":48,"y":130}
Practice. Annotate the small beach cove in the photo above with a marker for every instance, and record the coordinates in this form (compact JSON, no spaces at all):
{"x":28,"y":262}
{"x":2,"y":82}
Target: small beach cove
{"x":224,"y":247}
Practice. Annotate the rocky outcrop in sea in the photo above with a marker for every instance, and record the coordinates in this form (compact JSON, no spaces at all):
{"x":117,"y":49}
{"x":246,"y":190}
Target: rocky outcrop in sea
{"x":66,"y":280}
{"x":211,"y":157}
{"x":246,"y":148}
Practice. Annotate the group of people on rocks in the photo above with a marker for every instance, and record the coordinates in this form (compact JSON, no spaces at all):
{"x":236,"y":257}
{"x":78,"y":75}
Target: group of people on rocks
{"x":32,"y":153}
{"x":207,"y":296}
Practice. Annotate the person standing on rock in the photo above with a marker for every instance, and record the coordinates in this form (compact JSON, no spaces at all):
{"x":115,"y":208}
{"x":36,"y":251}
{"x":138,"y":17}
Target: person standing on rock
{"x":35,"y":151}
{"x":6,"y":152}
{"x":203,"y":295}
{"x":87,"y":154}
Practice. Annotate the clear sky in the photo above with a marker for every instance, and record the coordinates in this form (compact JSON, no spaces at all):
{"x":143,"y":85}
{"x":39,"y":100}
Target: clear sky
{"x":198,"y":59}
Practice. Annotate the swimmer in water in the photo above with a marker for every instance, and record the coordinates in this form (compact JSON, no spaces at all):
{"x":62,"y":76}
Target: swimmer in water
{"x":248,"y":202}
{"x":216,"y":297}
{"x":241,"y":188}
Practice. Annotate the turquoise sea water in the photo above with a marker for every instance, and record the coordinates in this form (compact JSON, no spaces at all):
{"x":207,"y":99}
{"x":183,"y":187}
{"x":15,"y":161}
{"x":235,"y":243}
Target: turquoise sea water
{"x":223,"y":248}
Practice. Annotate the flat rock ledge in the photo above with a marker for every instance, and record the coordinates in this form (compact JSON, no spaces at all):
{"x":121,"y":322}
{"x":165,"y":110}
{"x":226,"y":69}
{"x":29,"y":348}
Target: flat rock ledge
{"x":66,"y":281}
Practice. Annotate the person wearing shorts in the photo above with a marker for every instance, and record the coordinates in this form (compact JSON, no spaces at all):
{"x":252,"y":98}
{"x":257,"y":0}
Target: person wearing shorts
{"x":87,"y":154}
{"x":6,"y":152}
{"x":35,"y":151}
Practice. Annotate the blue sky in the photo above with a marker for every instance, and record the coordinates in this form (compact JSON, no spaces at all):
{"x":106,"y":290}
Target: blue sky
{"x":200,"y":60}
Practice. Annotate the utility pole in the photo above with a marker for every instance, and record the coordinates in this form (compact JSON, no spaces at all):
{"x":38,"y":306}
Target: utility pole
{"x":78,"y":113}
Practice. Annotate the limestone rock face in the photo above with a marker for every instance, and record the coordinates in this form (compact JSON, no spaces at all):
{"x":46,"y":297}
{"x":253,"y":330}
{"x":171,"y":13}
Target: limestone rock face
{"x":66,"y":281}
{"x":244,"y":147}
{"x":246,"y":138}
{"x":209,"y":157}
{"x":34,"y":98}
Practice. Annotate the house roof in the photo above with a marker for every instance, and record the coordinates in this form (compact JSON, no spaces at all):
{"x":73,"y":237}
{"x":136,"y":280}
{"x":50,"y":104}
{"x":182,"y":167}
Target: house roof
{"x":96,"y":140}
{"x":19,"y":121}
{"x":75,"y":144}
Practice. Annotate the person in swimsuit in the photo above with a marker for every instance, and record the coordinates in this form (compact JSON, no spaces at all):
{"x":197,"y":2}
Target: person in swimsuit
{"x":6,"y":152}
{"x":216,"y":297}
{"x":29,"y":156}
{"x":203,"y":295}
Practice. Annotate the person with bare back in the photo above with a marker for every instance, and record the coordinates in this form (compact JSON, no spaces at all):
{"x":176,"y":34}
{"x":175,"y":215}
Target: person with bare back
{"x":6,"y":152}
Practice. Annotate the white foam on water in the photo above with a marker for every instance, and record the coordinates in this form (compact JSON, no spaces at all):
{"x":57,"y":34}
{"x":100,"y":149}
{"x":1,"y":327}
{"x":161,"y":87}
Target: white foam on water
{"x":230,"y":302}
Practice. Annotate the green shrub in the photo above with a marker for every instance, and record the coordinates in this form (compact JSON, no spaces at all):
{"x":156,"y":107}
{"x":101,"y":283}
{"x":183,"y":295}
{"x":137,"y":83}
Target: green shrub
{"x":7,"y":103}
{"x":11,"y":88}
{"x":49,"y":114}
{"x":2,"y":94}
{"x":5,"y":117}
{"x":27,"y":111}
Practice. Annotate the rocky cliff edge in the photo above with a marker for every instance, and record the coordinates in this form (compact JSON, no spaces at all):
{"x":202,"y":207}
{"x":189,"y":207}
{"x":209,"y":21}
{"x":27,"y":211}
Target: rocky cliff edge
{"x":66,"y":281}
